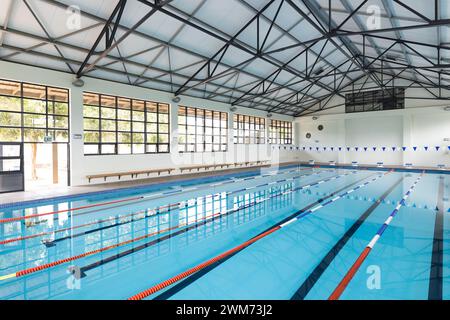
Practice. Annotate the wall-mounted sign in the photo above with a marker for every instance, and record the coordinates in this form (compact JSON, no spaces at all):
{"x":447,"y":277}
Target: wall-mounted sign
{"x":77,"y":136}
{"x":48,"y":139}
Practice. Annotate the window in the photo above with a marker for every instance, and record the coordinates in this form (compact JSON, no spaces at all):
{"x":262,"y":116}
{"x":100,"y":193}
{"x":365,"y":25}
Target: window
{"x":248,"y":129}
{"x":29,"y":113}
{"x":280,"y":132}
{"x":117,"y":125}
{"x":375,"y":100}
{"x":202,"y":130}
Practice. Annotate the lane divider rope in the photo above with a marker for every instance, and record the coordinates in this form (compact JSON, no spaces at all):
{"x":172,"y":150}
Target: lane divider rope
{"x":223,"y":255}
{"x":169,"y":206}
{"x":120,"y":244}
{"x":13,"y":219}
{"x":335,"y":295}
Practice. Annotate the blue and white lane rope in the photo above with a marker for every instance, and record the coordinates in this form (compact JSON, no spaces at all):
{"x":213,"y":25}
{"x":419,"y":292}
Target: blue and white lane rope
{"x":127,"y":242}
{"x":179,"y":204}
{"x":335,"y":295}
{"x":133,"y":199}
{"x":231,"y":251}
{"x":320,"y":206}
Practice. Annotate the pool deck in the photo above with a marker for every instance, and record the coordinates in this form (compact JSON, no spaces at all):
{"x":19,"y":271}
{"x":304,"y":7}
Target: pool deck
{"x":49,"y":192}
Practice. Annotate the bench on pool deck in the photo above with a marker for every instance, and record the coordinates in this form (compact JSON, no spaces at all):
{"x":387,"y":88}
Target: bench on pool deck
{"x":222,"y":165}
{"x":133,"y":174}
{"x":197,"y":167}
{"x":251,"y":163}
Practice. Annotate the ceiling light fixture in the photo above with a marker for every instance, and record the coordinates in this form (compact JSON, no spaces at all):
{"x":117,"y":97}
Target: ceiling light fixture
{"x":77,"y":82}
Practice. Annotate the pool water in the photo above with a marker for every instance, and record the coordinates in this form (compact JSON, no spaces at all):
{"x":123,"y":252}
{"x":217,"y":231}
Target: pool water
{"x":312,"y":225}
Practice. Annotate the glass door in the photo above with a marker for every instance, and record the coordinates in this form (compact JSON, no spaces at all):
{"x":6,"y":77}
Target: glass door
{"x":46,"y":165}
{"x":11,"y":167}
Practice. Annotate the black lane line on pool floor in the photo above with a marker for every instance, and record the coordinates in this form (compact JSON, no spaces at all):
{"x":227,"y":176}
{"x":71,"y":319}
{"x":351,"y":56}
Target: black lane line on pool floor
{"x":168,"y":236}
{"x":189,"y":280}
{"x":437,"y":259}
{"x":314,"y":276}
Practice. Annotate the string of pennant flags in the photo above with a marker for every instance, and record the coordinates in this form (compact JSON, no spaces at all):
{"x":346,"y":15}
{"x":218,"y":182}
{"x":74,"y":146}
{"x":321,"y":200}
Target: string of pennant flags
{"x":372,"y":200}
{"x":365,"y":149}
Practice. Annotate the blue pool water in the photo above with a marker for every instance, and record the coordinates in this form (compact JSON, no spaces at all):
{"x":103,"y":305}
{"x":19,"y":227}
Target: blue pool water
{"x":174,"y":227}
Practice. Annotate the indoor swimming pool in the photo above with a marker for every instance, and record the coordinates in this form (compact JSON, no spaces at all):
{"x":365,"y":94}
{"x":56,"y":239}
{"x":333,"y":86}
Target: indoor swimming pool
{"x":296,"y":232}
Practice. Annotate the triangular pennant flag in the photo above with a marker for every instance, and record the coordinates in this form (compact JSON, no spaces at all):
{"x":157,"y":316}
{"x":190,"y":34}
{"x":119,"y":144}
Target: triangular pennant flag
{"x":324,"y":148}
{"x":393,"y":148}
{"x":384,"y":148}
{"x":304,"y":148}
{"x":348,"y":148}
{"x":448,"y":147}
{"x":310,"y":148}
{"x":426,"y":148}
{"x":415,"y":148}
{"x":404,"y":148}
{"x":365,"y":148}
{"x":437,"y":148}
{"x":374,"y":148}
{"x":340,"y":148}
{"x":332,"y":148}
{"x":356,"y":148}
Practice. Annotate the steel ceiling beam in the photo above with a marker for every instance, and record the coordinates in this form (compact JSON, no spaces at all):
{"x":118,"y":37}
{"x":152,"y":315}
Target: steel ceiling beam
{"x":110,"y":45}
{"x":228,"y":42}
{"x":120,"y":6}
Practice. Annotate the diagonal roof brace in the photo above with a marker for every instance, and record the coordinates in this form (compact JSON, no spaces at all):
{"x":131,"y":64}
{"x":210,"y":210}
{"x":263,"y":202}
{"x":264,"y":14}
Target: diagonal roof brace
{"x":111,"y":43}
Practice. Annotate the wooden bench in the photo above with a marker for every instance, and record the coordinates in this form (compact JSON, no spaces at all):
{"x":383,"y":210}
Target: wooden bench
{"x":222,"y":165}
{"x":196,"y":167}
{"x":251,"y":163}
{"x":133,"y":174}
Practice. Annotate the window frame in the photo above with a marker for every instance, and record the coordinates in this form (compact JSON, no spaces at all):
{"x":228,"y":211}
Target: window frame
{"x":247,"y":125}
{"x":49,"y":130}
{"x":132,"y":121}
{"x":200,"y":127}
{"x":275,"y":131}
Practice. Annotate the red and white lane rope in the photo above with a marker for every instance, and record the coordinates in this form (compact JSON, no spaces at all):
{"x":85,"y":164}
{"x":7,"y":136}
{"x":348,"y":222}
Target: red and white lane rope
{"x":169,"y":206}
{"x":357,"y":264}
{"x":223,"y":255}
{"x":131,"y":199}
{"x":120,"y":244}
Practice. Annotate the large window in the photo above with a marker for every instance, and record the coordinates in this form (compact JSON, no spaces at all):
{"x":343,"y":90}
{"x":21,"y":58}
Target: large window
{"x":202,"y":130}
{"x":33,"y":113}
{"x":248,"y":129}
{"x":280,"y":132}
{"x":375,"y":100}
{"x":117,"y":125}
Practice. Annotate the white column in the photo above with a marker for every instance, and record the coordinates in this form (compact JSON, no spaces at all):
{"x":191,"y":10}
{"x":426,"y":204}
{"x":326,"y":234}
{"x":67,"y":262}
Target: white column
{"x":174,"y":127}
{"x":76,"y":143}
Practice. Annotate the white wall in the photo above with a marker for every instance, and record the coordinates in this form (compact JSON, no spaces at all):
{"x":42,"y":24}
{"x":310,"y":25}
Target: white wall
{"x":82,"y":165}
{"x":426,"y":126}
